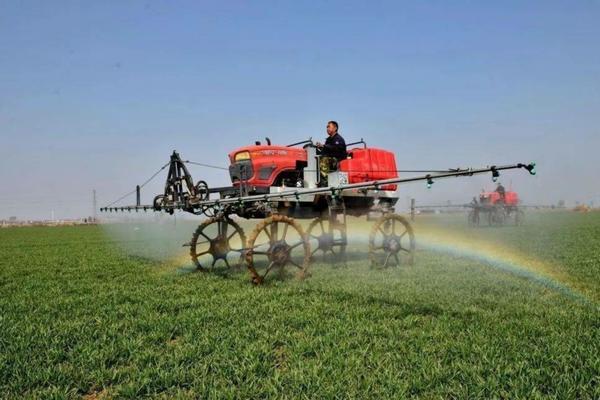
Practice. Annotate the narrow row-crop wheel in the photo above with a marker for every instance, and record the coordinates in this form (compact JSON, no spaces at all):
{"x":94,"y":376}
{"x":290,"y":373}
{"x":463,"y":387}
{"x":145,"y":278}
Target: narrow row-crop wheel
{"x":497,"y":216}
{"x":217,"y":238}
{"x":519,"y":217}
{"x":391,"y":240}
{"x":276,"y":243}
{"x":473,"y":217}
{"x":327,"y":236}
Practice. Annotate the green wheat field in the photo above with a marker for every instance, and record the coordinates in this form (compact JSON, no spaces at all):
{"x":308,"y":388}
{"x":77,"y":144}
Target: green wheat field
{"x":83,"y":316}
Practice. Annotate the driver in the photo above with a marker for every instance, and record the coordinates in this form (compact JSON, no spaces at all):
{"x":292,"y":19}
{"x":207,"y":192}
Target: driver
{"x":331,"y":152}
{"x":501,"y":191}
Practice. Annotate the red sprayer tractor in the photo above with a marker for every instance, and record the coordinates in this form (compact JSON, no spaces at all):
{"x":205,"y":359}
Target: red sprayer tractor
{"x":280,"y":184}
{"x":496,"y":208}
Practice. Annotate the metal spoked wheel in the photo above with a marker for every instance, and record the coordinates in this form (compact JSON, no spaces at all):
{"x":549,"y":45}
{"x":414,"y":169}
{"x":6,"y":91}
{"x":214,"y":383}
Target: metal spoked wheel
{"x":496,"y":216}
{"x":392,"y":240}
{"x":276,"y":242}
{"x":217,"y":238}
{"x":327,"y":236}
{"x":519,"y":217}
{"x":473,"y":217}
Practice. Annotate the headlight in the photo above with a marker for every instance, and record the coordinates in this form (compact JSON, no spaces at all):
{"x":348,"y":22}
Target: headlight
{"x":242,"y":155}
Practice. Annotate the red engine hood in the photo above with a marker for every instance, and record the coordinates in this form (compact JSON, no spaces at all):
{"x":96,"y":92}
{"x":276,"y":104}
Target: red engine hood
{"x":270,"y":152}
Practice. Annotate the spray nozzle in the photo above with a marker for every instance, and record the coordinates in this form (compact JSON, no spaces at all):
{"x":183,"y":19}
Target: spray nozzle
{"x":529,"y":167}
{"x":495,"y":173}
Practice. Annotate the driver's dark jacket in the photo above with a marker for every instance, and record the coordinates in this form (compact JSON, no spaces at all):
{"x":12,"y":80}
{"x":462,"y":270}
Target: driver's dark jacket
{"x":335,"y":147}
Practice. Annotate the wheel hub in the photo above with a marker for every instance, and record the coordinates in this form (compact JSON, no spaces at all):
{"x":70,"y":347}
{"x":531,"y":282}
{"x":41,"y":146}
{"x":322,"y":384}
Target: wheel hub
{"x":219,"y":248}
{"x":392,"y":244}
{"x":326,"y":241}
{"x":280,"y":253}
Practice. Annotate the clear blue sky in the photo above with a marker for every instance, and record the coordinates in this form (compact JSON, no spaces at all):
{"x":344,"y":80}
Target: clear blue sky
{"x":97,"y":94}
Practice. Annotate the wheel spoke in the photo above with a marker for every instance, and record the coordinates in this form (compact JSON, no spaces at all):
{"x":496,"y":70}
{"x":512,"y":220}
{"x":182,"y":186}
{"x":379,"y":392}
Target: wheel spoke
{"x":387,"y":258}
{"x":232,"y":235}
{"x":266,"y":231}
{"x":285,"y":229}
{"x":222,"y":228}
{"x":331,"y":228}
{"x":207,"y":238}
{"x":296,"y":264}
{"x":262,"y":244}
{"x":295,"y":245}
{"x":397,"y":259}
{"x":269,"y":267}
{"x":274,"y":229}
{"x":261,"y":253}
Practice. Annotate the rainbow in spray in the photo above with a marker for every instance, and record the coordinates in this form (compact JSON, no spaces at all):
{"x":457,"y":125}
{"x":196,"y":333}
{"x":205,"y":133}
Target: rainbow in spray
{"x":499,"y":257}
